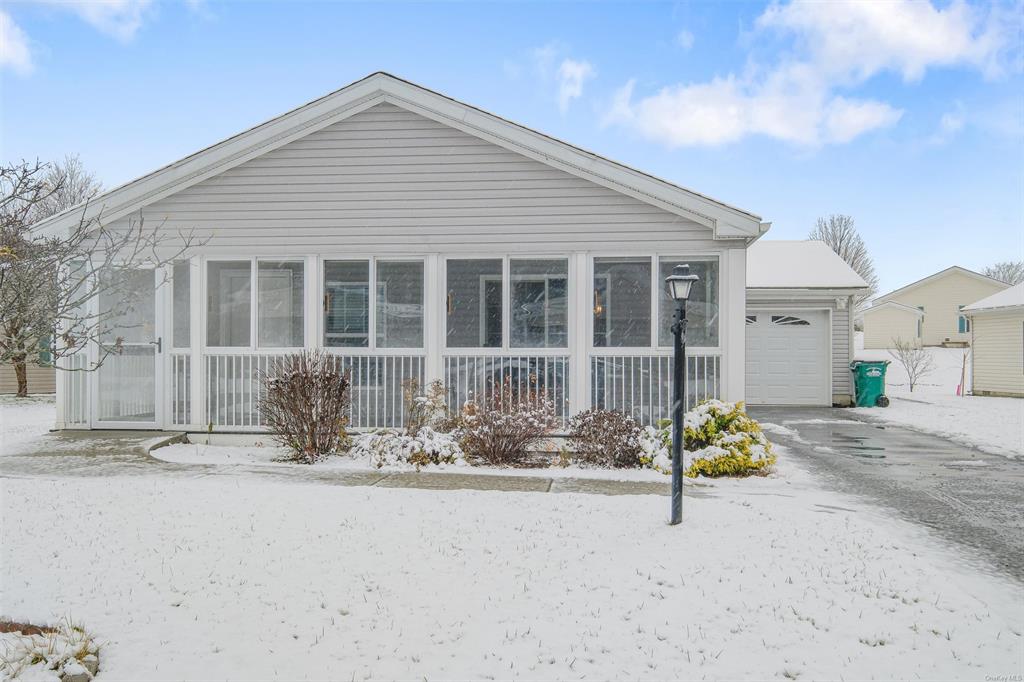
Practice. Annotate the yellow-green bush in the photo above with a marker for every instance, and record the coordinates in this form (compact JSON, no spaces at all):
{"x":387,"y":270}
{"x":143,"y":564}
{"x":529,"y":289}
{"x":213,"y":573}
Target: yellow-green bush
{"x":720,"y":439}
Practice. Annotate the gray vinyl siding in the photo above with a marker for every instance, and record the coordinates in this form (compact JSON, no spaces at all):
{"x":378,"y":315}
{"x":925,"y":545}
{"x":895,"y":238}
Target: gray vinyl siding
{"x":842,"y":353}
{"x":40,"y":379}
{"x":393,"y":181}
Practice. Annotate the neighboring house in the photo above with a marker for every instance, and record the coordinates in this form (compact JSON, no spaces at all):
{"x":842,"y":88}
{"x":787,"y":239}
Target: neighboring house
{"x":941,"y":297}
{"x":40,"y":379}
{"x":417,"y":237}
{"x":997,"y":344}
{"x":884,"y":322}
{"x":799,"y":324}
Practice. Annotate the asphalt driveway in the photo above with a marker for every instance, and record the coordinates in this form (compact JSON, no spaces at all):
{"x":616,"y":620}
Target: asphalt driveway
{"x":969,"y":497}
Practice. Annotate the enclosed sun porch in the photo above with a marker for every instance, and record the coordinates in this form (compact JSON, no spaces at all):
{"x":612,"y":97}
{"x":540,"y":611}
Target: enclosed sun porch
{"x":589,"y":330}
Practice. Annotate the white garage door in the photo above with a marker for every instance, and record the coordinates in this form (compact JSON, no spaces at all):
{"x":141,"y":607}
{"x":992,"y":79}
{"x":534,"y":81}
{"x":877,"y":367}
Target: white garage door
{"x":788,"y":358}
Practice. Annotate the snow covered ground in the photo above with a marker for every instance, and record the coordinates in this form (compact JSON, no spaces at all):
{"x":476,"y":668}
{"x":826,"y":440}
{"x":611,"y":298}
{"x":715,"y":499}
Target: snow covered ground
{"x":993,"y":425}
{"x":24,"y":419}
{"x":240,"y":578}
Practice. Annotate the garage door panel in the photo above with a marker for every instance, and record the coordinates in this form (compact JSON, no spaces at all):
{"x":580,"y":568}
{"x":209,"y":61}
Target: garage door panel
{"x":788,"y":358}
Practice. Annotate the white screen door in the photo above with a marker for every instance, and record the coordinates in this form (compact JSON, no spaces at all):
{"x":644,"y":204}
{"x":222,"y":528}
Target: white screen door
{"x":127,"y":382}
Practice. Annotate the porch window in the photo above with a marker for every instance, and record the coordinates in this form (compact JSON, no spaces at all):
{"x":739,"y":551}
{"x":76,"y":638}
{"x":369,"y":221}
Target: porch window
{"x":279,"y":304}
{"x":474,"y":303}
{"x":399,"y":304}
{"x":347,"y":304}
{"x":228,"y":303}
{"x":181,"y":318}
{"x":701,"y":308}
{"x":539,"y":290}
{"x":622,"y":302}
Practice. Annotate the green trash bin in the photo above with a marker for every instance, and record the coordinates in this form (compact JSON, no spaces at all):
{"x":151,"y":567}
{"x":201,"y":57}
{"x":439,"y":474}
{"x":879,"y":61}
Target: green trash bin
{"x":869,"y":382}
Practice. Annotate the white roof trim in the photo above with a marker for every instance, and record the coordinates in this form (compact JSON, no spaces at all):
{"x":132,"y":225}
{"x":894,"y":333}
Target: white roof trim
{"x":897,"y":306}
{"x":1008,"y":299}
{"x":726,"y":222}
{"x":938,"y":275}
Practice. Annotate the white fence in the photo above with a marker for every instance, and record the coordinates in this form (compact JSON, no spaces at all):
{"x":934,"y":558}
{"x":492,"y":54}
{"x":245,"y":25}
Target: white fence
{"x":641,"y":385}
{"x":181,"y":388}
{"x":234,"y":388}
{"x":76,"y":390}
{"x":470,"y":377}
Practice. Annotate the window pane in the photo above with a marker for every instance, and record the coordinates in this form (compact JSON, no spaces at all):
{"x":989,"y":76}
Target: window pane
{"x":474,"y":303}
{"x":400,"y":304}
{"x":347,"y":316}
{"x":127,"y":305}
{"x":622,"y":302}
{"x":701,"y":307}
{"x":539,"y":303}
{"x":182,"y":319}
{"x":228,"y":303}
{"x":280,"y":304}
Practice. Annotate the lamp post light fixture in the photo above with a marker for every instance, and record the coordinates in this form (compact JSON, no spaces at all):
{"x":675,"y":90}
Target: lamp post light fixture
{"x":679,"y":285}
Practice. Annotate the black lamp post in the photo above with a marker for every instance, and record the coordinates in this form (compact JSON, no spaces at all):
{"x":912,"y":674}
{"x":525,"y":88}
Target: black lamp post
{"x":679,"y":284}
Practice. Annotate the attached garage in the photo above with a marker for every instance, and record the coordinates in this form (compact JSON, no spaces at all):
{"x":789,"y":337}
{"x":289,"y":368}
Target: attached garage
{"x":788,"y":357}
{"x":799,"y":330}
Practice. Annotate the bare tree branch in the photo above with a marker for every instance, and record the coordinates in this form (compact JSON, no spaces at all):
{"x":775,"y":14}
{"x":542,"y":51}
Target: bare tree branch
{"x":916,"y":361}
{"x":839,"y":233}
{"x":1009,"y":271}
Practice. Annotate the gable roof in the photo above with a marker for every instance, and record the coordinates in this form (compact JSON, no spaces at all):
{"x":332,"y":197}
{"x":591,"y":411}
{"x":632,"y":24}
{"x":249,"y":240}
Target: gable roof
{"x":895,"y":306}
{"x":938,"y":275}
{"x":802,"y":264}
{"x":726,"y":222}
{"x":1013,"y":297}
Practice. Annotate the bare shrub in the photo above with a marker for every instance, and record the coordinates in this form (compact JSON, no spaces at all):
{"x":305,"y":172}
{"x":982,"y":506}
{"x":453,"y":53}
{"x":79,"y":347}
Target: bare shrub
{"x":427,"y":407}
{"x":916,"y":361}
{"x":306,"y":405}
{"x":605,"y":438}
{"x":501,"y":428}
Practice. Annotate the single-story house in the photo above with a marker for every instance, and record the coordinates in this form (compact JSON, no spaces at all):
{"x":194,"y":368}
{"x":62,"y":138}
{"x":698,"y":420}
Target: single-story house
{"x":997,"y":343}
{"x":417,"y":237}
{"x":941,"y":297}
{"x":885,"y":322}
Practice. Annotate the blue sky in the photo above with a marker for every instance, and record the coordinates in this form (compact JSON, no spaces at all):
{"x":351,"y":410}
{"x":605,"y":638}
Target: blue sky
{"x":908,"y":116}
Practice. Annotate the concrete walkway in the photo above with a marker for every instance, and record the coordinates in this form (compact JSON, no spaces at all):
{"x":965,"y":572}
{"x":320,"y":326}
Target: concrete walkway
{"x":127,"y":453}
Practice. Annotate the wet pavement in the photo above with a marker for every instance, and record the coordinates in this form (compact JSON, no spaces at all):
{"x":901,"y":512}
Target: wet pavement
{"x":968,"y":497}
{"x":126,"y":453}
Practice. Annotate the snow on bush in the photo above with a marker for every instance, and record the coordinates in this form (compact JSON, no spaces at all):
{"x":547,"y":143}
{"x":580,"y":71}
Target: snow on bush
{"x":392,"y":448}
{"x":605,"y":438}
{"x":65,"y":650}
{"x":501,"y":428}
{"x":720,"y":439}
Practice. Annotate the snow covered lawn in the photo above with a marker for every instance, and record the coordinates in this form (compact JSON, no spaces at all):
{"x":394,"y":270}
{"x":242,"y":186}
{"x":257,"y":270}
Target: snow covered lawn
{"x":240,"y":578}
{"x":993,"y":425}
{"x":22,"y":420}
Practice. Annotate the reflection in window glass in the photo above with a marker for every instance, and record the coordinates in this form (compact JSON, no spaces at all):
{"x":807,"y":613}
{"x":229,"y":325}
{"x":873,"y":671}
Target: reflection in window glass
{"x":182,"y":318}
{"x":474,"y":303}
{"x":228,"y":303}
{"x":347,"y":303}
{"x":279,"y":304}
{"x":127,"y":305}
{"x":622,"y":302}
{"x":399,"y":304}
{"x":701,"y":307}
{"x":539,"y":290}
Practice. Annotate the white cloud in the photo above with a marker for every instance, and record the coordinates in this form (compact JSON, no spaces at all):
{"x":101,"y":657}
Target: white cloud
{"x":572,"y":75}
{"x":838,"y":45}
{"x":14,"y":50}
{"x":120,"y":19}
{"x":684,"y":39}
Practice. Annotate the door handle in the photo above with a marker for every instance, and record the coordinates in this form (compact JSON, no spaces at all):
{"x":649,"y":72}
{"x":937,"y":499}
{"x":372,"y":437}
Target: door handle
{"x":159,"y":343}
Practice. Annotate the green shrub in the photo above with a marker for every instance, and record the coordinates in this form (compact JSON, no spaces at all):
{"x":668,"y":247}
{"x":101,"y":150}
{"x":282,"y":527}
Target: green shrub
{"x":720,"y":439}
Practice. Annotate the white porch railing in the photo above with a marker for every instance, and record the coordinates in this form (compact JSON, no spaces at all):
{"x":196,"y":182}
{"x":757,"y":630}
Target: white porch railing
{"x":234,"y":388}
{"x":641,"y":385}
{"x":76,"y":390}
{"x":470,"y":376}
{"x":181,"y":388}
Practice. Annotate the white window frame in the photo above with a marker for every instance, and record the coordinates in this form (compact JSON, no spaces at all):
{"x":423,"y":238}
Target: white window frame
{"x":253,"y":346}
{"x":506,"y":304}
{"x":371,"y":348}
